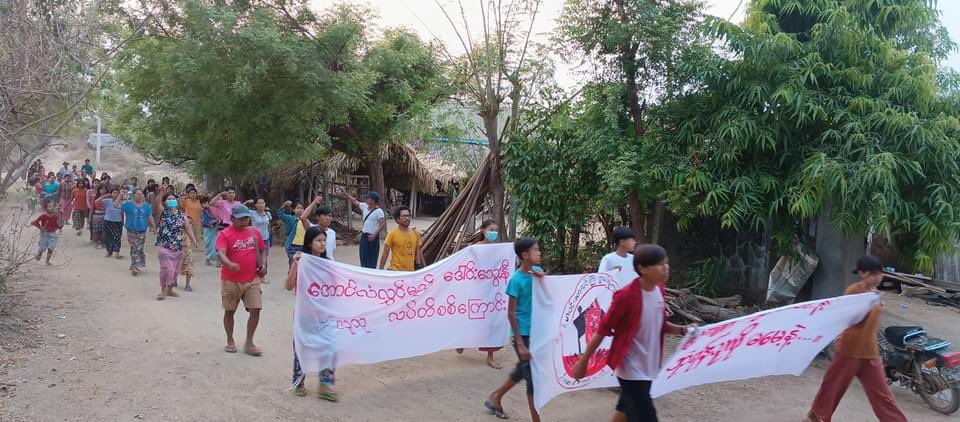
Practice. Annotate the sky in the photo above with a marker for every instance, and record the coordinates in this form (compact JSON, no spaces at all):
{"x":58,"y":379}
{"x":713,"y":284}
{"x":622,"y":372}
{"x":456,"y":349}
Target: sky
{"x":427,"y":19}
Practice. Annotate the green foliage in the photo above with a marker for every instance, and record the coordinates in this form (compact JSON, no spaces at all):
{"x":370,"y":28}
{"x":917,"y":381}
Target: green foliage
{"x":707,"y":277}
{"x":243,"y":87}
{"x":824,"y":101}
{"x":551,"y":172}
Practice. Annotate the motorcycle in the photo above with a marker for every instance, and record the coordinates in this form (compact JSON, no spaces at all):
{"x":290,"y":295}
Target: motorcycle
{"x":923,"y":364}
{"x":920,"y":363}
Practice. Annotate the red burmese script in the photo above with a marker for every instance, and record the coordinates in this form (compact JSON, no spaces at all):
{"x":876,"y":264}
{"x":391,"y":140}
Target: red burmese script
{"x":472,"y":308}
{"x":724,"y":343}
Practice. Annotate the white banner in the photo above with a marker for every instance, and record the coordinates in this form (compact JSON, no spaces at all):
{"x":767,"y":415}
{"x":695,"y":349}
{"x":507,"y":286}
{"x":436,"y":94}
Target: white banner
{"x":566,"y":313}
{"x":348,"y":315}
{"x":778,"y":341}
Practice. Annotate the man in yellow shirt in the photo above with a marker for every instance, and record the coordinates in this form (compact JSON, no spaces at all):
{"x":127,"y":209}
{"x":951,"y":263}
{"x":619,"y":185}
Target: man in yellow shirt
{"x":403,"y":244}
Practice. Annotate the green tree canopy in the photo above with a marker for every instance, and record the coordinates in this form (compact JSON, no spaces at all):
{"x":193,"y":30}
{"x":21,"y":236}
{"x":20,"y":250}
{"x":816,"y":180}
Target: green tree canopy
{"x":245,"y":87}
{"x":824,"y":102}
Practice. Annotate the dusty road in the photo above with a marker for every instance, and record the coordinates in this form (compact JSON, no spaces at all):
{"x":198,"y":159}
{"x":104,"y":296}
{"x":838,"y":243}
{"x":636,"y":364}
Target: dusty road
{"x":106,"y":350}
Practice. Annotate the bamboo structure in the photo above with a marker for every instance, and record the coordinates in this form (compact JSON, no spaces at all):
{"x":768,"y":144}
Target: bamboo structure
{"x":447,"y":235}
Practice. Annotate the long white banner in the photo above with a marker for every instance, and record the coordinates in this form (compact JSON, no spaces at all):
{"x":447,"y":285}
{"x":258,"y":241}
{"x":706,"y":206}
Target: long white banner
{"x":778,"y":341}
{"x":567,"y":312}
{"x":348,"y":315}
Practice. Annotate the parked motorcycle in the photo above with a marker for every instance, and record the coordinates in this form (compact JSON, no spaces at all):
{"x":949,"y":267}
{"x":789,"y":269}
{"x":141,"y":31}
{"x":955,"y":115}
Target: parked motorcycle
{"x":921,"y":363}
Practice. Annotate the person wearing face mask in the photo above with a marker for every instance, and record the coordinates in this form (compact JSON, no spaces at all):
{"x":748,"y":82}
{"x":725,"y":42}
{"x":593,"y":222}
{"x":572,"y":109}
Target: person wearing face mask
{"x":172,"y":229}
{"x":488,"y":235}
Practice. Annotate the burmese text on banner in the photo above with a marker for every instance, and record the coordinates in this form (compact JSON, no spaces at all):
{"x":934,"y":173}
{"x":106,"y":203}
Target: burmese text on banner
{"x":778,"y":341}
{"x":566,"y":314}
{"x":346,"y":314}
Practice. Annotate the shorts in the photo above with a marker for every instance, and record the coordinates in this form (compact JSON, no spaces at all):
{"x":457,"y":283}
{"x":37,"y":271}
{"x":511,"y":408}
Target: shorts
{"x":635,"y":401}
{"x":48,"y":241}
{"x":522,"y":371}
{"x":232,"y":293}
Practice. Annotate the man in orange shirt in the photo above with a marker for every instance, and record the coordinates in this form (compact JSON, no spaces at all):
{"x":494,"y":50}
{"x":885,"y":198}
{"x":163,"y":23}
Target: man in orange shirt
{"x":858,"y":356}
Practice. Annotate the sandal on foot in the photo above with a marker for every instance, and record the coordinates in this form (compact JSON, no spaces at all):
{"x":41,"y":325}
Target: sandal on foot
{"x":494,"y":364}
{"x":495,"y":410}
{"x":300,"y":392}
{"x":230,"y":349}
{"x":173,"y":294}
{"x":330,"y":396}
{"x":255,"y":351}
{"x":188,"y":289}
{"x":161,"y":296}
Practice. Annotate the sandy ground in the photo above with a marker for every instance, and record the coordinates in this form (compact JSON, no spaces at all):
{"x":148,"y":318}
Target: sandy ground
{"x":125,"y":356}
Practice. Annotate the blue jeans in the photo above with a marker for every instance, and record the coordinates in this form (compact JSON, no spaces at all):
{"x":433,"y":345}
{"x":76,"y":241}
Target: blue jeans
{"x":369,"y":251}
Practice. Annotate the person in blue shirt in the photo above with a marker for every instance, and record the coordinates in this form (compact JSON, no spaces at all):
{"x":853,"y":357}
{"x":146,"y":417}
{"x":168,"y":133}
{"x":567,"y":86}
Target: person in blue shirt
{"x":519,"y":309}
{"x":138,"y":216}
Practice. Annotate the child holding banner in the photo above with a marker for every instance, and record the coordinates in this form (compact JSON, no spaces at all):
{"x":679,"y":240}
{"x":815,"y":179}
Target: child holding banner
{"x":519,"y":309}
{"x":637,"y":321}
{"x":858,"y":356}
{"x":314,"y":243}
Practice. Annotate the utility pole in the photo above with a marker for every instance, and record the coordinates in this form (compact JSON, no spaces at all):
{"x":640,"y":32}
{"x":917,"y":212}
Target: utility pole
{"x":99,"y":141}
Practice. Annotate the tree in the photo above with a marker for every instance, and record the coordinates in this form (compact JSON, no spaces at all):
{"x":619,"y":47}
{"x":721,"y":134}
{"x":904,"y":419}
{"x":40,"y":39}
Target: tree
{"x":494,"y":71}
{"x":648,"y":47}
{"x":50,"y":61}
{"x":552,"y":171}
{"x":238,"y":89}
{"x":229,"y":88}
{"x":825,"y":105}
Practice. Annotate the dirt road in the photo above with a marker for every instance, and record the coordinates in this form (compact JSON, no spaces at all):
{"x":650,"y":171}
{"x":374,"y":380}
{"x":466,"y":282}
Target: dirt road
{"x":107,"y":351}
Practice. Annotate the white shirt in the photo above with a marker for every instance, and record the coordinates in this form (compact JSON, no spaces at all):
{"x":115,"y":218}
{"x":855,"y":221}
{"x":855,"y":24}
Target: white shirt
{"x":642,"y":362}
{"x":625,"y":274}
{"x":331,"y":243}
{"x":371,"y":224}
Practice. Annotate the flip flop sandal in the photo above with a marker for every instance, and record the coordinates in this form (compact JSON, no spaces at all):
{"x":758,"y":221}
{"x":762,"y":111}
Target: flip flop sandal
{"x":255,"y":352}
{"x":230,"y":349}
{"x":300,"y":392}
{"x":173,"y":294}
{"x":495,"y":410}
{"x":188,"y":289}
{"x":330,"y":396}
{"x":161,"y":297}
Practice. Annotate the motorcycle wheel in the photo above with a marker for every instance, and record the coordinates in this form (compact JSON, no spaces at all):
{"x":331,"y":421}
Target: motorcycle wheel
{"x":946,"y":401}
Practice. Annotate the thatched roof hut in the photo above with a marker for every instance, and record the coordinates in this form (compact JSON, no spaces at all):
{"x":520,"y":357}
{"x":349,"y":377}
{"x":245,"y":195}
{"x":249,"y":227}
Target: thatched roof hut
{"x":405,"y":169}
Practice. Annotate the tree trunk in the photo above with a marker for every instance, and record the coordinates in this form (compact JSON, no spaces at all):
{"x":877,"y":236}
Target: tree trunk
{"x":659,"y":209}
{"x":490,"y":114}
{"x":838,"y":253}
{"x":638,"y":219}
{"x":377,"y":183}
{"x":575,"y":245}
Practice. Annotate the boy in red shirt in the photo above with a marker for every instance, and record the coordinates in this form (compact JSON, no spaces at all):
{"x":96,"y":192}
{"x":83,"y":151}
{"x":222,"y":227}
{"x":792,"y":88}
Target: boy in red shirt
{"x":637,"y":321}
{"x":48,"y":223}
{"x":241,"y":251}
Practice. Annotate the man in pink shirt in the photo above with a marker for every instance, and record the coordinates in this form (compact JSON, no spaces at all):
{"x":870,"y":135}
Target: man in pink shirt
{"x":242,"y":252}
{"x":223,"y":205}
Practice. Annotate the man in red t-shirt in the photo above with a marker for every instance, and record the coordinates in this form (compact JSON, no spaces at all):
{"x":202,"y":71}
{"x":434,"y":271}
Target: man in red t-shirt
{"x":242,"y":252}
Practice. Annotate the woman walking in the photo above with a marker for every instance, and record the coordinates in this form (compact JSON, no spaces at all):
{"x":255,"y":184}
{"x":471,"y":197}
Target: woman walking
{"x":261,"y":221}
{"x":488,"y":235}
{"x":112,"y":222}
{"x":92,"y":194}
{"x":138,"y":216}
{"x":170,"y":245}
{"x":210,"y":222}
{"x":66,"y":198}
{"x":79,"y":205}
{"x":315,"y":243}
{"x":190,"y":207}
